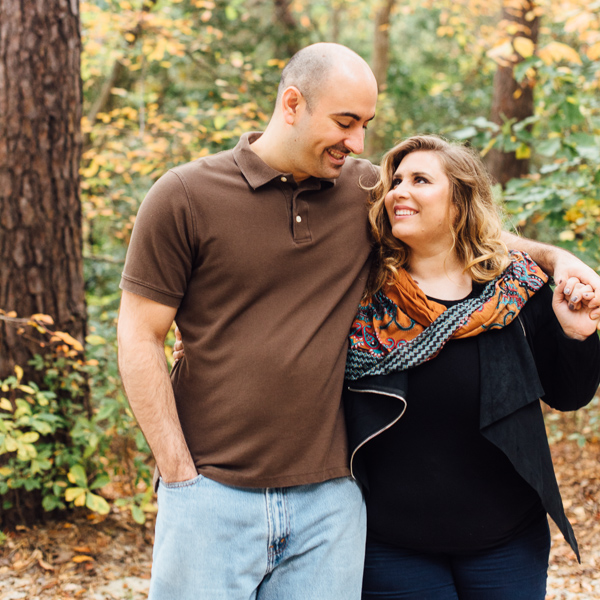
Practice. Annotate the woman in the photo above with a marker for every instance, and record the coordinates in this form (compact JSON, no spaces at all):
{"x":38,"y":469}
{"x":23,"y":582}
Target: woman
{"x":450,"y":351}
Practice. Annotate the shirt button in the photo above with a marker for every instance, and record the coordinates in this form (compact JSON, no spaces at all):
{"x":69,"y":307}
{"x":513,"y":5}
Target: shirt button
{"x":298,"y":219}
{"x":284,"y":179}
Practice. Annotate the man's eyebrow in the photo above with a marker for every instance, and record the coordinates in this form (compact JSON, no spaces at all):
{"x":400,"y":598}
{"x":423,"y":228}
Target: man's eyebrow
{"x":352,"y":116}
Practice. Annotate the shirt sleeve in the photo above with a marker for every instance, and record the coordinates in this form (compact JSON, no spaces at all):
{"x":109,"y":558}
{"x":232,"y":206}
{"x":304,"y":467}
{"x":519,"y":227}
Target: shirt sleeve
{"x":569,"y":369}
{"x":163,"y":246}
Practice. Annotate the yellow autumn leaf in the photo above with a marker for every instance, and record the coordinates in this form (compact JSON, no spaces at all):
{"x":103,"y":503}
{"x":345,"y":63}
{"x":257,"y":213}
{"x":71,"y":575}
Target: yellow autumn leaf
{"x":502,"y":52}
{"x":26,"y":389}
{"x":524,"y":46}
{"x":81,"y":558}
{"x":10,"y":443}
{"x":5,"y":404}
{"x":556,"y":52}
{"x":67,"y":339}
{"x":74,"y":494}
{"x":47,"y":319}
{"x":18,"y":372}
{"x":593,"y":52}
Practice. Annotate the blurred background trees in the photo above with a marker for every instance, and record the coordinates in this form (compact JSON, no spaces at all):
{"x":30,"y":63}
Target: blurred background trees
{"x":168,"y":81}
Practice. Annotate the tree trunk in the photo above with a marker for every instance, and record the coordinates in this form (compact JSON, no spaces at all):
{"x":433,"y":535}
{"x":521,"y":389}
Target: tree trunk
{"x":40,"y":210}
{"x":40,"y":151}
{"x":513,"y":100}
{"x":375,"y":142}
{"x":288,"y":40}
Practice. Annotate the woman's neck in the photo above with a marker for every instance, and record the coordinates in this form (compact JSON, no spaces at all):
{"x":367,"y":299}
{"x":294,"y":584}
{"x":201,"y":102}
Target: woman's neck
{"x":440,"y":275}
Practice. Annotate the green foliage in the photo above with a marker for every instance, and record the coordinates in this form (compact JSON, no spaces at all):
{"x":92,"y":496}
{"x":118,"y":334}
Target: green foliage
{"x":51,"y":443}
{"x":184,"y":78}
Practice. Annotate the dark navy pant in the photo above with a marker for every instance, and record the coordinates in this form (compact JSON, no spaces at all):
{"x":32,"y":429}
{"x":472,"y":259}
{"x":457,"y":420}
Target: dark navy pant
{"x":516,"y":570}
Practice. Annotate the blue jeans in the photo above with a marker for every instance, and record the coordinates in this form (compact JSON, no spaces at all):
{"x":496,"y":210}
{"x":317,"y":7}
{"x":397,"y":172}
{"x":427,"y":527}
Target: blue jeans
{"x":516,"y":570}
{"x":218,"y":542}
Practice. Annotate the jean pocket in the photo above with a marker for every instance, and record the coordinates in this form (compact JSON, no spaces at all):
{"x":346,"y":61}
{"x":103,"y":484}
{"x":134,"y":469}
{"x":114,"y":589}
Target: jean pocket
{"x":173,"y":485}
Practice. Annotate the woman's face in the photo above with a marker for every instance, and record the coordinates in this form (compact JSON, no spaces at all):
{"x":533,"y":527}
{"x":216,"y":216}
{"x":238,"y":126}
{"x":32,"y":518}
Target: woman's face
{"x":419,"y":205}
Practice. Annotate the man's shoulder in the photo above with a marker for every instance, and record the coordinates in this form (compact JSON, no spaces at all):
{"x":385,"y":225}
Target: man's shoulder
{"x":221,"y":161}
{"x":359,"y":170}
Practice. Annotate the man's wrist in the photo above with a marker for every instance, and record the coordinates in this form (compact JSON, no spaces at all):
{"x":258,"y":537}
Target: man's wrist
{"x":178,"y":473}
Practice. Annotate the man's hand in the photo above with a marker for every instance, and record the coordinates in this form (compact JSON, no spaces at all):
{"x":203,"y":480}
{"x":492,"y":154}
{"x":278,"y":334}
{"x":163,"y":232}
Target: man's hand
{"x":142,"y":329}
{"x":577,"y":324}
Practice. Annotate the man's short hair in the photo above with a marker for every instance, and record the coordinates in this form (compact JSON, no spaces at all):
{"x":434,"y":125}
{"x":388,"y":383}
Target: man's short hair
{"x":307,"y":70}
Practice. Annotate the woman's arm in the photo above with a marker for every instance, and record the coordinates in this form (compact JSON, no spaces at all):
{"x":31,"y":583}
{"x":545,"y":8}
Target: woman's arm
{"x":569,"y":368}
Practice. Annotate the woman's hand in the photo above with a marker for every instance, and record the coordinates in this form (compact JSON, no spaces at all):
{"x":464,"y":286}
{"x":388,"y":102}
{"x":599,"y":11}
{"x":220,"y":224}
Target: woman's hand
{"x":577,"y":323}
{"x":581,"y":282}
{"x":178,"y":352}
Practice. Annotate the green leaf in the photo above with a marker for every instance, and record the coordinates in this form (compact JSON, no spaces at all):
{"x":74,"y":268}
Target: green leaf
{"x":77,"y":475}
{"x":100,"y":481}
{"x":220,"y":121}
{"x":548,"y":147}
{"x":95,"y":340}
{"x":464,"y":134}
{"x":138,"y":515}
{"x":231,"y":13}
{"x":97,"y":503}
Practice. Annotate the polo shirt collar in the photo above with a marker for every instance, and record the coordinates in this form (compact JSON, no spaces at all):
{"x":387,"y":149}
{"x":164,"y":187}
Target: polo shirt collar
{"x":258,"y":173}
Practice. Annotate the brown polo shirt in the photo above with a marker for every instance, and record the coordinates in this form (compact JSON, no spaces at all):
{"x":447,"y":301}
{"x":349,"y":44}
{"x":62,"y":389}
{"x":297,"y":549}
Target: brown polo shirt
{"x":266,"y":276}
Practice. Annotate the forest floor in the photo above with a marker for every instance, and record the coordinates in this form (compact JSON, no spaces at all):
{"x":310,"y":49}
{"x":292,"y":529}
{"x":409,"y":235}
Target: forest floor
{"x":109,"y":558}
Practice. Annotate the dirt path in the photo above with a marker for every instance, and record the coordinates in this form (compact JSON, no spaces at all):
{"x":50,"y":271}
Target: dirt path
{"x":92,"y":558}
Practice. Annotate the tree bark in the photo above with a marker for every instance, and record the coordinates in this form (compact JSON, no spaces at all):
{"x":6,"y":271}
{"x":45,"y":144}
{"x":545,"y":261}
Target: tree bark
{"x":40,"y":152}
{"x":288,"y":42}
{"x":513,"y":100}
{"x":375,"y":142}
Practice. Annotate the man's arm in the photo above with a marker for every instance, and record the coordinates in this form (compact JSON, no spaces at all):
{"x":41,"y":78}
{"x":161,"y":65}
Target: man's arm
{"x":582,"y":283}
{"x":142,"y":329}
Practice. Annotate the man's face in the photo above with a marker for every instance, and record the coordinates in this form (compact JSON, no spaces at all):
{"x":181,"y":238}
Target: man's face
{"x":335,"y":127}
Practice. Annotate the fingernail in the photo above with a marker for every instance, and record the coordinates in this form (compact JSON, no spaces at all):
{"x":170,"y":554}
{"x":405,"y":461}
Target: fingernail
{"x":567,"y":290}
{"x":575,"y":299}
{"x":571,"y":307}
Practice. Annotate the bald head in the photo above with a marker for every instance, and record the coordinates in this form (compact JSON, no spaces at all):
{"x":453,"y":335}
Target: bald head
{"x":311,"y":68}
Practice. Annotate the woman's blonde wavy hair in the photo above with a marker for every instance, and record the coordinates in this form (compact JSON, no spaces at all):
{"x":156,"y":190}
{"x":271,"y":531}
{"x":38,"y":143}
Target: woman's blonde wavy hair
{"x":476,"y":229}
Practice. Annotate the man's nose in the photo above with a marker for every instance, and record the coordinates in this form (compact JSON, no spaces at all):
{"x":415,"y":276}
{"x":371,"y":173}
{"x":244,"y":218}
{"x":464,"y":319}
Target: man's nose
{"x":356,"y":141}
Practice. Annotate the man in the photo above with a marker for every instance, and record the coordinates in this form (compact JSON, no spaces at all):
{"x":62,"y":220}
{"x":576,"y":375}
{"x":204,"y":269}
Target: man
{"x":261,"y":252}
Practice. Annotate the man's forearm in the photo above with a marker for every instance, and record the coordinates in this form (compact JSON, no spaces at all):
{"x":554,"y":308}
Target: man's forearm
{"x":543,"y":254}
{"x":149,"y":391}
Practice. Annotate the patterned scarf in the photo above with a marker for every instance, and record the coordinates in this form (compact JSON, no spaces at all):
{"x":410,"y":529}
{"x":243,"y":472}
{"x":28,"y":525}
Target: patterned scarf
{"x":399,"y":327}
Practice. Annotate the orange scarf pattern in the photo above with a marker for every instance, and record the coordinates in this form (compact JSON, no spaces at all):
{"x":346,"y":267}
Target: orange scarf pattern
{"x":399,"y":327}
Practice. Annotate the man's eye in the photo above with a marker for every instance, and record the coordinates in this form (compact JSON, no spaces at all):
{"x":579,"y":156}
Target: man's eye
{"x":342,"y":125}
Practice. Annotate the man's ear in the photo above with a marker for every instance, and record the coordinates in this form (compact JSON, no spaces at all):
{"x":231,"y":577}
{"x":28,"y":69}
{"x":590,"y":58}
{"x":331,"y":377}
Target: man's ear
{"x":292,"y":102}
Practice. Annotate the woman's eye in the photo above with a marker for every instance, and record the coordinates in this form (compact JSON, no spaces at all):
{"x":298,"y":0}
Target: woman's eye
{"x":395,"y":183}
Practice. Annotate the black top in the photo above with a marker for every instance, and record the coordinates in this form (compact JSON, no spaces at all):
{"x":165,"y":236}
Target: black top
{"x":435,"y":482}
